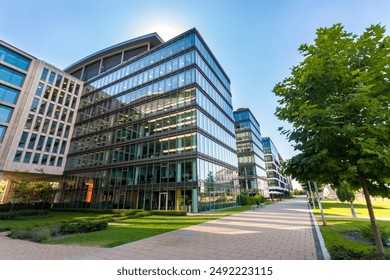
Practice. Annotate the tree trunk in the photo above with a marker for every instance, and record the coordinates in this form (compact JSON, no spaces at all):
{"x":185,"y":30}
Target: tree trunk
{"x":312,"y":196}
{"x":378,"y":240}
{"x":353,"y":211}
{"x":320,"y":204}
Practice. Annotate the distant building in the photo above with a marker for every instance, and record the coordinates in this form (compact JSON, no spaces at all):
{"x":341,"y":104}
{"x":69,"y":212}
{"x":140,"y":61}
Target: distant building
{"x":38,"y":107}
{"x":251,"y":166}
{"x":278,"y":183}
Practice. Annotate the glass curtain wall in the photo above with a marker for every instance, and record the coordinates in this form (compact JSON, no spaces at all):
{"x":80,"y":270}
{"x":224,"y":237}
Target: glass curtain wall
{"x":155,"y":133}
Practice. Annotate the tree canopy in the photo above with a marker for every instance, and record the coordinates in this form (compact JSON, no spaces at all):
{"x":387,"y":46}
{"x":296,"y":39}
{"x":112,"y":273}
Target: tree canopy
{"x":338,"y":100}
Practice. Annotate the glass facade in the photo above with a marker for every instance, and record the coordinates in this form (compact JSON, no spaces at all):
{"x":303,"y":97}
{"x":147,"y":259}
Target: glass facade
{"x":155,"y":132}
{"x":252,"y":174}
{"x":13,"y":80}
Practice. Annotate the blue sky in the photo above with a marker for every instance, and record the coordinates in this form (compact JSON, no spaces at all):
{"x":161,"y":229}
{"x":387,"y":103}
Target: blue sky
{"x":256,"y":42}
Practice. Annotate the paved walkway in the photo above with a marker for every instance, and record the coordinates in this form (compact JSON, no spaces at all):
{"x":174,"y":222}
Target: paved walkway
{"x":279,"y":231}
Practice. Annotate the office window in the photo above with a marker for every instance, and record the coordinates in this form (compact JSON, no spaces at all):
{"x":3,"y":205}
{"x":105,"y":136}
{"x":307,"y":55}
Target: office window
{"x":60,"y":129}
{"x":52,"y":160}
{"x":51,"y":77}
{"x":33,"y":138}
{"x":48,"y":144}
{"x":40,"y":143}
{"x":42,"y":107}
{"x":44,"y":74}
{"x":61,"y":97}
{"x":54,"y":95}
{"x":29,"y":121}
{"x":58,"y":81}
{"x":36,"y":158}
{"x":53,"y":127}
{"x":44,"y":160}
{"x":5,"y":113}
{"x":14,"y":58}
{"x":59,"y":162}
{"x":47,"y":92}
{"x":39,"y":89}
{"x":37,"y":124}
{"x":23,"y":140}
{"x":71,"y":87}
{"x":63,"y":146}
{"x":11,"y":76}
{"x":34,"y":105}
{"x":2,"y":132}
{"x":45,"y":126}
{"x":8,"y":94}
{"x":55,"y":146}
{"x":27,"y":157}
{"x":18,"y":156}
{"x":50,"y":110}
{"x":65,"y":84}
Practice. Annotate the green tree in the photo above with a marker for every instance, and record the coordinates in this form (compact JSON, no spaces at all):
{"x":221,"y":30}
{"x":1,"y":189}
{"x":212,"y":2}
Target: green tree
{"x":337,"y":101}
{"x":345,"y":193}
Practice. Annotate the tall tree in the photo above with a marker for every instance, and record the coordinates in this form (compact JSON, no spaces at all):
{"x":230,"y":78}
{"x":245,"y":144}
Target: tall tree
{"x":337,"y":100}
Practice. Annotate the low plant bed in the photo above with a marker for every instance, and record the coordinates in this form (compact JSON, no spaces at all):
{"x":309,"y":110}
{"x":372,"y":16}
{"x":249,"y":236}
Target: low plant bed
{"x":45,"y":232}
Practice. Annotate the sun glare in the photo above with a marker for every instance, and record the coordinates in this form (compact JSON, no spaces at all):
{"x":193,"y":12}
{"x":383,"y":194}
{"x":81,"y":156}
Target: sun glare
{"x":166,"y":32}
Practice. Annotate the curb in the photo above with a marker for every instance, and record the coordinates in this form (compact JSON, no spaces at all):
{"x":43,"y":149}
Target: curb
{"x":325,"y":253}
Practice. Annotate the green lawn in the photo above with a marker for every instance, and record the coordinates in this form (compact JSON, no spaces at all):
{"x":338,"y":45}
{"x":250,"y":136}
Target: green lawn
{"x":337,"y":208}
{"x":332,"y":232}
{"x":121,"y":231}
{"x":50,"y":218}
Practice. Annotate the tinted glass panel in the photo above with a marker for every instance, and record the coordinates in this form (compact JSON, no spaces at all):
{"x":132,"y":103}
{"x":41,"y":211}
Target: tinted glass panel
{"x":8,"y":94}
{"x":5,"y":113}
{"x":11,"y":76}
{"x":14,"y":58}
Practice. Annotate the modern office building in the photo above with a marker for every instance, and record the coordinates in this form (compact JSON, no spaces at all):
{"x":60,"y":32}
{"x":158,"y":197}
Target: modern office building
{"x":154,"y":130}
{"x":279,"y":184}
{"x":251,"y":166}
{"x":38,"y":106}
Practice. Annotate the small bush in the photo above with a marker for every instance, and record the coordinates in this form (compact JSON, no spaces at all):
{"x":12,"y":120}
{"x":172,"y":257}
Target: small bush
{"x":42,"y":233}
{"x":339,"y":252}
{"x":368,"y":234}
{"x":36,"y":234}
{"x":83,"y":226}
{"x":250,"y":200}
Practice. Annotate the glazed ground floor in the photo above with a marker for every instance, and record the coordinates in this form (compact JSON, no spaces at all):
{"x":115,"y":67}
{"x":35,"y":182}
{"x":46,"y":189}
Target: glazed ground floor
{"x":189,"y":197}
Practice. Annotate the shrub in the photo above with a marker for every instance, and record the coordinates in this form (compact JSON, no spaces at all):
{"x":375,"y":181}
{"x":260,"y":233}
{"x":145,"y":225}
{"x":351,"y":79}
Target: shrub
{"x":42,"y":233}
{"x":83,"y":226}
{"x":24,"y":206}
{"x":250,"y":200}
{"x":339,"y":252}
{"x":169,"y":213}
{"x":37,"y":233}
{"x":21,"y":213}
{"x":368,"y":234}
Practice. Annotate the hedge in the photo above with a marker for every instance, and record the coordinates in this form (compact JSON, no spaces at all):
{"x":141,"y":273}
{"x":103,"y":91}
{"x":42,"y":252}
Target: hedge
{"x":21,"y":213}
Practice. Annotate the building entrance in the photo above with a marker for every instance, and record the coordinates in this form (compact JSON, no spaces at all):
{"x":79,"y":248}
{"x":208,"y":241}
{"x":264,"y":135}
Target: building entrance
{"x":163,"y":202}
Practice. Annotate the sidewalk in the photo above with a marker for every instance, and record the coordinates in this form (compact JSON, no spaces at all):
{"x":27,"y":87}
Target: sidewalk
{"x":279,"y":231}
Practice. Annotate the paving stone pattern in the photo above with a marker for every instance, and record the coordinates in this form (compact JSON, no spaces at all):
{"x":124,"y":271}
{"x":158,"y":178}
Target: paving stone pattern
{"x":281,"y":231}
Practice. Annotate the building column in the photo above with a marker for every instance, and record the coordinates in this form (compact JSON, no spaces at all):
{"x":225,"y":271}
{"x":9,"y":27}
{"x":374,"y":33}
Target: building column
{"x":195,"y":200}
{"x":178,"y":199}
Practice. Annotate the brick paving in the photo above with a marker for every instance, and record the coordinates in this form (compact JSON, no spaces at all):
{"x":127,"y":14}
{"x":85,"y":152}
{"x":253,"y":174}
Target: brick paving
{"x":281,"y":231}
